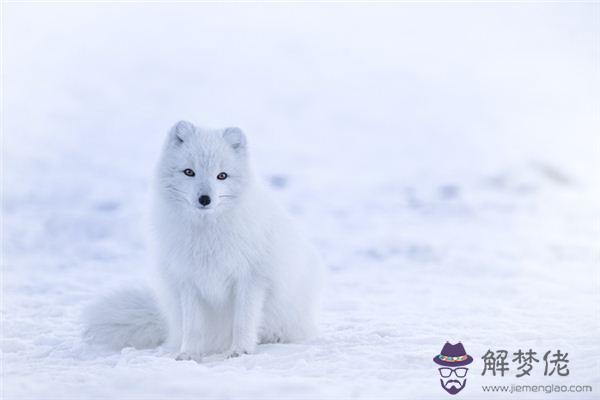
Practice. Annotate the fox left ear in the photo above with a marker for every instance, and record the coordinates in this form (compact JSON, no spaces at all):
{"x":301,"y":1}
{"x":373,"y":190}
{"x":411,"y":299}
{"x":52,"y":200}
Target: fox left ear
{"x":180,"y":131}
{"x":235,"y":137}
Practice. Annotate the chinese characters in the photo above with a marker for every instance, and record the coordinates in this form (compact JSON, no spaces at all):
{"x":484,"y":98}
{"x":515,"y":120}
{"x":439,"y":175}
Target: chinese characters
{"x":496,"y":362}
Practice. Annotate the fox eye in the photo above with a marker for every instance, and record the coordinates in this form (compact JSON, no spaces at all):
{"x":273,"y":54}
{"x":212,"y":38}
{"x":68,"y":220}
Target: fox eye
{"x":189,"y":172}
{"x":222,"y":176}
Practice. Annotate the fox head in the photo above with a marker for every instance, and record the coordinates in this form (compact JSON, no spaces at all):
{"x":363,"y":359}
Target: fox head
{"x":203,"y":170}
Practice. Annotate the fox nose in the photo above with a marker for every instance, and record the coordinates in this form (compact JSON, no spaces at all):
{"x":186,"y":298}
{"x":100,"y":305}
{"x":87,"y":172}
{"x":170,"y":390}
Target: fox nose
{"x":204,"y":200}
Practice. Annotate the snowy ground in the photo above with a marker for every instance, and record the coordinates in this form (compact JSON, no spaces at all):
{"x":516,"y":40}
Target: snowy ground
{"x":444,"y":159}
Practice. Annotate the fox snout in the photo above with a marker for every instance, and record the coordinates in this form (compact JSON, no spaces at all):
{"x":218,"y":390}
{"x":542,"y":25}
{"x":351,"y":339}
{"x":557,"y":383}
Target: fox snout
{"x":204,"y":200}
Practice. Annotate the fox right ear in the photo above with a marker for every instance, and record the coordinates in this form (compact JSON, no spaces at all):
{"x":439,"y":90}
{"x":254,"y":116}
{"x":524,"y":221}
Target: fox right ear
{"x":235,"y":137}
{"x":181,"y":130}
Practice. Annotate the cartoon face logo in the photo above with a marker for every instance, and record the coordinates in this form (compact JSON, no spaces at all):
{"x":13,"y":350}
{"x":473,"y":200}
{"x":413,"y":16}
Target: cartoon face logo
{"x":453,"y":372}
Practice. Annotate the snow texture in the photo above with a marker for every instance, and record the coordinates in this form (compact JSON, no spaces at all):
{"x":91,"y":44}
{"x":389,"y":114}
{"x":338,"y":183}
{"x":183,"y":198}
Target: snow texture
{"x":443,"y":157}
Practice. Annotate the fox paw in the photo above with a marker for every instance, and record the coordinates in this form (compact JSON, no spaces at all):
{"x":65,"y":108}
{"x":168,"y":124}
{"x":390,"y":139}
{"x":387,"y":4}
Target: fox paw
{"x":183,"y":356}
{"x":274,"y":338}
{"x":234,"y":353}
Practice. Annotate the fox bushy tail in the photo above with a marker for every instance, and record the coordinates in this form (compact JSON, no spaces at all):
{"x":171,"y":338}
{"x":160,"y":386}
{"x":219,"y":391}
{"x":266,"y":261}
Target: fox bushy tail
{"x":126,"y":318}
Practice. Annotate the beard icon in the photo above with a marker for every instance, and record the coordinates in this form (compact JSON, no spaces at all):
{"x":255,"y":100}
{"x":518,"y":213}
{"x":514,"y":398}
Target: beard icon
{"x":453,"y":386}
{"x":453,"y":360}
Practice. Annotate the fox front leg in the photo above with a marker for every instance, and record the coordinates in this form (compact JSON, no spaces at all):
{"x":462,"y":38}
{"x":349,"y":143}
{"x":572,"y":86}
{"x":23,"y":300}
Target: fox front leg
{"x":247,"y":316}
{"x":191,"y":326}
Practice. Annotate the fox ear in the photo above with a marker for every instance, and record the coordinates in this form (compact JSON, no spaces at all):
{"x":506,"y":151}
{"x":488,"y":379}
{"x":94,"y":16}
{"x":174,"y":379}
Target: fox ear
{"x":181,"y":130}
{"x":235,"y":137}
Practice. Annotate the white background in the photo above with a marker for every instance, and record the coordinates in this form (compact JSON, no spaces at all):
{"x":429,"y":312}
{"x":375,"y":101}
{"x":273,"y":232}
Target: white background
{"x":442,"y":156}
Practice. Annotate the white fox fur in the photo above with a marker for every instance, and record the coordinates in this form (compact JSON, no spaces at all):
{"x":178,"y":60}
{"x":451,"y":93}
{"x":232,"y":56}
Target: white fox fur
{"x":126,"y":318}
{"x":232,"y":273}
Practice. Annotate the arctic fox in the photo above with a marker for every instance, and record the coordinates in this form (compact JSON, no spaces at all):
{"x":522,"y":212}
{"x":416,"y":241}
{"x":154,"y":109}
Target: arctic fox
{"x":232,"y":272}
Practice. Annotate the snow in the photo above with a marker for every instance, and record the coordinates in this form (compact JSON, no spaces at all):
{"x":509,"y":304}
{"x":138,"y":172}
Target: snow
{"x":443,"y":158}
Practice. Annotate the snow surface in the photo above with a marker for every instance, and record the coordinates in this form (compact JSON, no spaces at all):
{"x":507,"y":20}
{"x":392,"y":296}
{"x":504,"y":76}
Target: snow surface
{"x":443,"y":157}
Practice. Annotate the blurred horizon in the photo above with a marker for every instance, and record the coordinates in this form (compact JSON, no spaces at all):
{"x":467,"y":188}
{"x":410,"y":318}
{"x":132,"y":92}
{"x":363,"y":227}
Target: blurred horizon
{"x":453,"y":87}
{"x":442,"y":157}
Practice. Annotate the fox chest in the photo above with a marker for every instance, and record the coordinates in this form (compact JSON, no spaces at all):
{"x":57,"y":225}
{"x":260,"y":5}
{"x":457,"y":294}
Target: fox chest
{"x":215,"y":268}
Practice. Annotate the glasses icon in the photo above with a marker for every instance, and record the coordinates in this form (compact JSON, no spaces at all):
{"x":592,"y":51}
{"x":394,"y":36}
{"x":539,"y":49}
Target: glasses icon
{"x":447,"y":372}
